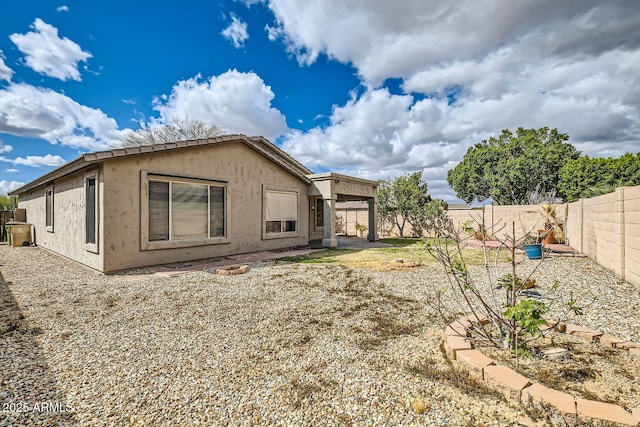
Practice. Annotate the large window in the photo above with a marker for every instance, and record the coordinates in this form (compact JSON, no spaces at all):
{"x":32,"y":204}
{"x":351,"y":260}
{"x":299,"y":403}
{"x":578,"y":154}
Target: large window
{"x":91,"y":211}
{"x":48,"y":196}
{"x":280,"y":213}
{"x":183,"y":210}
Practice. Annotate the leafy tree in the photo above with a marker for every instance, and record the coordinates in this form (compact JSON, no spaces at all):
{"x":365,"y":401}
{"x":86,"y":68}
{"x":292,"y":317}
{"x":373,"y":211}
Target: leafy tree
{"x":401,"y":199}
{"x":5,"y":203}
{"x":588,"y":177}
{"x":509,"y":168}
{"x":180,"y":129}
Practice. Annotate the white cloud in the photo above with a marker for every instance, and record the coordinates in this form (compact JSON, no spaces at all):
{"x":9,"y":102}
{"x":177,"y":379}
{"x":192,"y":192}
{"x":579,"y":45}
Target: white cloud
{"x":12,"y":170}
{"x":42,"y":113}
{"x":63,"y":8}
{"x":48,"y":54}
{"x":39,"y":161}
{"x":7,"y":186}
{"x":5,"y":148}
{"x":236,"y":32}
{"x":5,"y":72}
{"x":237,"y":102}
{"x":483,"y":67}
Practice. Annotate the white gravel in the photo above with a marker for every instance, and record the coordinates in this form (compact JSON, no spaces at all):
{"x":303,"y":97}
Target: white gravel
{"x":284,"y":344}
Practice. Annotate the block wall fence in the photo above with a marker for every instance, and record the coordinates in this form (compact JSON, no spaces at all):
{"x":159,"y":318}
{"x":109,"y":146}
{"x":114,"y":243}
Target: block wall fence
{"x":605,"y":228}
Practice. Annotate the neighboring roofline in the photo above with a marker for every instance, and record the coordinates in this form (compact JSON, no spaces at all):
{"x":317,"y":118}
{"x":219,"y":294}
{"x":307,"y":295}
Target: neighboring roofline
{"x":329,"y":175}
{"x":258,"y":143}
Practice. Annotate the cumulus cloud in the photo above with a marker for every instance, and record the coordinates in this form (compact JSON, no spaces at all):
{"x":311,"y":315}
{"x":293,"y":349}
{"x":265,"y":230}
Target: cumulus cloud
{"x":5,"y":148}
{"x":48,"y":54}
{"x":236,"y":32}
{"x":12,"y":170}
{"x":237,"y":102}
{"x":5,"y":72}
{"x":472,"y":68}
{"x":63,"y":8}
{"x":7,"y":186}
{"x":39,"y":161}
{"x":42,"y":113}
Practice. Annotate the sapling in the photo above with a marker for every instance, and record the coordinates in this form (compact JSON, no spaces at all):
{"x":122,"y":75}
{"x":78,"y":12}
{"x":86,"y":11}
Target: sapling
{"x":513,"y":319}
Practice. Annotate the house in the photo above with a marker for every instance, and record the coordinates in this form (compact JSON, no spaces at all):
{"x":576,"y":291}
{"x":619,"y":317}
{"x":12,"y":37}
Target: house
{"x":148,"y":205}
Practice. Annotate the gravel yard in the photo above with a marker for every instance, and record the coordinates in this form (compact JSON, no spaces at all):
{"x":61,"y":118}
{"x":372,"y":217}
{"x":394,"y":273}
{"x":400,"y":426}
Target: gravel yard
{"x":284,"y":344}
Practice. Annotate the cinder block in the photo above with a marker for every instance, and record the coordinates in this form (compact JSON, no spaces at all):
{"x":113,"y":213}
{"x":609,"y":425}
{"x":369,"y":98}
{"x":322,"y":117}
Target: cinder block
{"x":585,"y":333}
{"x":626,"y":345}
{"x":560,"y":327}
{"x":474,"y":361}
{"x":509,"y":381}
{"x":454,"y":344}
{"x":480,"y":318}
{"x":537,"y":393}
{"x":609,"y":340}
{"x":605,"y":411}
{"x":457,"y":329}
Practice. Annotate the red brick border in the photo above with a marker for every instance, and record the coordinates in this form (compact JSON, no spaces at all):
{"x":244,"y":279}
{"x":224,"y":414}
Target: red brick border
{"x":518,"y":388}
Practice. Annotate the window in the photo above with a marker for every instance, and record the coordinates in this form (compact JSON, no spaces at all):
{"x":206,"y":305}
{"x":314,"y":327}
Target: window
{"x":185,"y":210}
{"x":319,"y":213}
{"x":280,"y":213}
{"x":48,"y":195}
{"x":91,"y":211}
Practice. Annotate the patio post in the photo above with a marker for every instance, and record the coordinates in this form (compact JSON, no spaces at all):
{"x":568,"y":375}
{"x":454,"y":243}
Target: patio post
{"x":373,"y":217}
{"x":329,"y":239}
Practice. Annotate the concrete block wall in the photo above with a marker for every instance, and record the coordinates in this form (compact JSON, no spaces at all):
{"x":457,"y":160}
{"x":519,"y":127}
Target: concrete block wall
{"x":351,"y":217}
{"x":607,"y":229}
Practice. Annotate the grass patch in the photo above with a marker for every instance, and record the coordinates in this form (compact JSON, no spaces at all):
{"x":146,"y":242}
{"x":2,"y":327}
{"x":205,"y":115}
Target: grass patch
{"x":384,"y":259}
{"x":401,"y":241}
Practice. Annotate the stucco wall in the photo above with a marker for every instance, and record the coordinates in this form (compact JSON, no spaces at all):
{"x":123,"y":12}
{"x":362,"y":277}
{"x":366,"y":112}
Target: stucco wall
{"x":246,"y":172}
{"x":68,"y":236}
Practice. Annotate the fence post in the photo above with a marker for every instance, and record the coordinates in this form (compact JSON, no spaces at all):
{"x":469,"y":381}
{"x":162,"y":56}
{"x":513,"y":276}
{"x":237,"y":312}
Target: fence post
{"x":619,"y":233}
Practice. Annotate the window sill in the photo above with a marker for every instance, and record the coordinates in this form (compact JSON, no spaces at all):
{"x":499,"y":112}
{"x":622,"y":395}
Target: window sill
{"x":152,"y":246}
{"x":49,"y":229}
{"x":268,"y":236}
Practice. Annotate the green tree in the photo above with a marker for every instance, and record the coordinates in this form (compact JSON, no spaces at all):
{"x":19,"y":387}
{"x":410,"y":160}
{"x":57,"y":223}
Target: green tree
{"x":5,"y":203}
{"x":401,"y":199}
{"x":588,"y":177}
{"x":510,"y":168}
{"x":180,"y":129}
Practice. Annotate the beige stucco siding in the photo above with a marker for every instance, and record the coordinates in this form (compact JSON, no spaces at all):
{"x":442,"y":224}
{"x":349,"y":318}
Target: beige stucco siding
{"x":244,"y":170}
{"x":68,"y":235}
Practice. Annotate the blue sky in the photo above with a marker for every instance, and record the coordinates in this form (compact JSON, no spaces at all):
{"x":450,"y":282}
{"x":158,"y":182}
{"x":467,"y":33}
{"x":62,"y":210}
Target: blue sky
{"x":369,"y":88}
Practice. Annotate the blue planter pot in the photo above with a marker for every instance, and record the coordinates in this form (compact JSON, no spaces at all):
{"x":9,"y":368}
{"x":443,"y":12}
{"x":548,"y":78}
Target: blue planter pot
{"x":533,"y":251}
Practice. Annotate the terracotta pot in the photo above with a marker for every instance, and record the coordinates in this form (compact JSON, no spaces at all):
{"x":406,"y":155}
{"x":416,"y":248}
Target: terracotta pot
{"x":549,"y":239}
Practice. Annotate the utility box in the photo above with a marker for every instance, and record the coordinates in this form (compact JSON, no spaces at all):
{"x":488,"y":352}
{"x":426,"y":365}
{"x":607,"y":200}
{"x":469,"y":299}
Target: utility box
{"x":19,"y":234}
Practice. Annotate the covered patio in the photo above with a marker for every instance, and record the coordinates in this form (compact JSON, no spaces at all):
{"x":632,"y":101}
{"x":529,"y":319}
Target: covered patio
{"x":328,"y":188}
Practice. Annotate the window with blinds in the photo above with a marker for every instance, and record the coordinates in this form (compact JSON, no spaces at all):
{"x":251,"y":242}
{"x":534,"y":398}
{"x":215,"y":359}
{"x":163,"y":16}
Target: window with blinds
{"x":281,"y":212}
{"x":181,"y":210}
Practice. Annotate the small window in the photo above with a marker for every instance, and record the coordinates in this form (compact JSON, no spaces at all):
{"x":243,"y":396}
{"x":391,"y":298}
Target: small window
{"x":91,"y":212}
{"x":319,"y":213}
{"x":185,"y":210}
{"x":280,"y":213}
{"x":48,"y":195}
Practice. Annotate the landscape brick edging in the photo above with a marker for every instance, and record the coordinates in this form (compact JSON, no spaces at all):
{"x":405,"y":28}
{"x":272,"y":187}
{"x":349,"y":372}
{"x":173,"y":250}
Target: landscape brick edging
{"x":518,"y":388}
